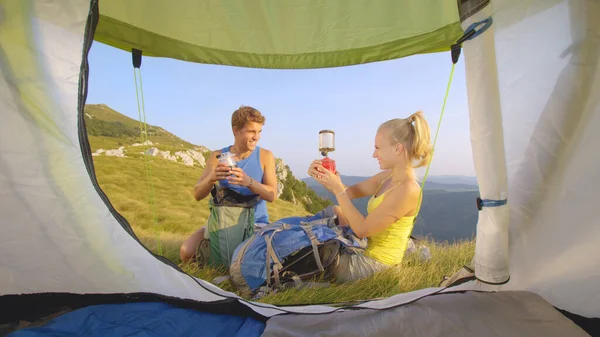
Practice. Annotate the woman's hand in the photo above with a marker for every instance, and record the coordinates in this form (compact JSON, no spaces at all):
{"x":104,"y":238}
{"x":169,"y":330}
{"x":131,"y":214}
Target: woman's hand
{"x":312,"y":167}
{"x":332,"y":182}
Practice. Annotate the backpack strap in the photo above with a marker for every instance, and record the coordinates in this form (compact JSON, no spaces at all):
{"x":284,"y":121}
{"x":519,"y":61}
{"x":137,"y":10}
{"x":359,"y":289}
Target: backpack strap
{"x":221,"y":196}
{"x":315,"y":243}
{"x":270,"y":255}
{"x":277,"y":265}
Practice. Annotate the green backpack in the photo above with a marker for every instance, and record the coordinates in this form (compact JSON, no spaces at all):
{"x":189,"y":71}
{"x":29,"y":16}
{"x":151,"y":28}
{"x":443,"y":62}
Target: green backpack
{"x":231,"y":222}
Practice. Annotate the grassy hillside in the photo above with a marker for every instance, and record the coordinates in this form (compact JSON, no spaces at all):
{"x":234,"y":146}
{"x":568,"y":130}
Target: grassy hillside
{"x":109,"y":129}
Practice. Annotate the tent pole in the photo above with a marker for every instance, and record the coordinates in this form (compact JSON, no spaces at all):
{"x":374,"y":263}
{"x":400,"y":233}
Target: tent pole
{"x":487,"y":141}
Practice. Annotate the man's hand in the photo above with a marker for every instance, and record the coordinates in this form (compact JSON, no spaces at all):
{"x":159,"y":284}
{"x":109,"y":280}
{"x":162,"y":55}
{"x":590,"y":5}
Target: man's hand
{"x":239,"y":177}
{"x":221,"y":172}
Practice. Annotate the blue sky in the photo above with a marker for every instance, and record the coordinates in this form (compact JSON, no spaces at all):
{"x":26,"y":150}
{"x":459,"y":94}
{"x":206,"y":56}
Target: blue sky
{"x":195,"y":102}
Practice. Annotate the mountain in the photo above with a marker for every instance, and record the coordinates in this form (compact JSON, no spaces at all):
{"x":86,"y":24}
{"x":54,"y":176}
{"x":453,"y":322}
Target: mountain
{"x":448,"y":212}
{"x":453,"y":179}
{"x":447,"y":183}
{"x":108,"y":128}
{"x":115,"y":135}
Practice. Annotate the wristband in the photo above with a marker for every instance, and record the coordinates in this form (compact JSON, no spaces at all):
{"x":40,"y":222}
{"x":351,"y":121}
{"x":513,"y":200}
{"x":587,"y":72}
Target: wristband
{"x":342,"y":192}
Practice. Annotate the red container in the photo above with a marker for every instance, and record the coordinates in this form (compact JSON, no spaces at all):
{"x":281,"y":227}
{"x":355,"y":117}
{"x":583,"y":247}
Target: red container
{"x":329,"y":164}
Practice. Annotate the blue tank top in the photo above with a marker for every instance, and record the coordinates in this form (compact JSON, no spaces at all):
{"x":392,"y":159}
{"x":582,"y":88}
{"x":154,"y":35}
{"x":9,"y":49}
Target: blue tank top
{"x":252,"y":168}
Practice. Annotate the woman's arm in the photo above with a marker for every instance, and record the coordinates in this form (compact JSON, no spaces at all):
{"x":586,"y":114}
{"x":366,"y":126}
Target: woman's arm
{"x":367,"y":187}
{"x":362,"y":189}
{"x":397,"y":203}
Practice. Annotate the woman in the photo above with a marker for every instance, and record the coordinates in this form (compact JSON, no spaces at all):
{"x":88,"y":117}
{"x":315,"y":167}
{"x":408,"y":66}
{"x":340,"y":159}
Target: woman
{"x":400,"y":146}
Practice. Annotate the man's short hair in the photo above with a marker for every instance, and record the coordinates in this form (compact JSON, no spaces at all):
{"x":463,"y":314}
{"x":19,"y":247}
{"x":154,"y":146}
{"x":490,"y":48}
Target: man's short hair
{"x":244,"y":115}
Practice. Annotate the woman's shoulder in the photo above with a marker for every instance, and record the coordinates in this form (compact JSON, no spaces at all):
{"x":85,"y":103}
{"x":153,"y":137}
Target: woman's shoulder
{"x":410,"y":188}
{"x":408,"y":191}
{"x":382,"y":176}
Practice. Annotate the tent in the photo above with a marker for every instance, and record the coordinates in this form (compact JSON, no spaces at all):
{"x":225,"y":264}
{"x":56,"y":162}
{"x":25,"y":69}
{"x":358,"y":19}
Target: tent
{"x":534,"y":101}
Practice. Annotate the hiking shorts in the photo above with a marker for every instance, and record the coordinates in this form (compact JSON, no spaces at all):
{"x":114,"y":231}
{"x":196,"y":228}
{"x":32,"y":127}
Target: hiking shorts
{"x":352,"y":267}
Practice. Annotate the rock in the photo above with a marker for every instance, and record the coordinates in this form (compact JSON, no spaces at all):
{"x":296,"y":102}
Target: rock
{"x":188,"y":157}
{"x":197,"y":157}
{"x":282,"y":171}
{"x":148,"y":142}
{"x":162,"y":154}
{"x":185,"y":158}
{"x":152,"y":152}
{"x":116,"y":153}
{"x":167,"y":155}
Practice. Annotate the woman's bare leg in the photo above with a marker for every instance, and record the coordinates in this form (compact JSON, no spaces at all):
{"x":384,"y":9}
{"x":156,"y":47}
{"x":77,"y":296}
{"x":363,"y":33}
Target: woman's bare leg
{"x":189,"y":246}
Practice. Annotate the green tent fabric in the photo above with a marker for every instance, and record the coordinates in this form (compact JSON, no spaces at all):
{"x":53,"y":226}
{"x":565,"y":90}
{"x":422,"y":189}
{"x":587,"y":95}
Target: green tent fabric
{"x":280,"y":34}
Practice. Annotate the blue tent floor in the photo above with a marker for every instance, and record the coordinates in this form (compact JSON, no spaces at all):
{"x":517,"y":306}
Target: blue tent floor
{"x":144,"y":319}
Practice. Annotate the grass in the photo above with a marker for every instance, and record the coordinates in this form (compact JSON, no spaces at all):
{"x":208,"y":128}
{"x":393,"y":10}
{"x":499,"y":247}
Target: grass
{"x":412,"y":274}
{"x":107,"y":143}
{"x":124,"y":181}
{"x":178,"y":215}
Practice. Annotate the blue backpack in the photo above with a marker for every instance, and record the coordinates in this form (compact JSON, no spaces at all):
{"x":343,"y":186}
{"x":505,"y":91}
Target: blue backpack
{"x":289,"y":251}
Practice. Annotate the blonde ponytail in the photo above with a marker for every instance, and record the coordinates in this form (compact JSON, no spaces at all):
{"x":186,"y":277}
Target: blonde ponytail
{"x":421,"y":142}
{"x":413,"y":132}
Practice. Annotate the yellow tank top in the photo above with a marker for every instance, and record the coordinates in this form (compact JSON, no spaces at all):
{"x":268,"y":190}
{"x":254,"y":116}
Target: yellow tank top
{"x":389,"y":245}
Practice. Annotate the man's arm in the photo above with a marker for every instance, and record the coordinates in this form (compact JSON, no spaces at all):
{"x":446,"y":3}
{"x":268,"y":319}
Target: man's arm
{"x":208,"y":178}
{"x":266,"y":190}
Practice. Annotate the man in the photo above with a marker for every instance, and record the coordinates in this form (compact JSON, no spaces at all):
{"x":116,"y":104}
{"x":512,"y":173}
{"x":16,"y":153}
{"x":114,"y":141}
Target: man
{"x":255,"y":174}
